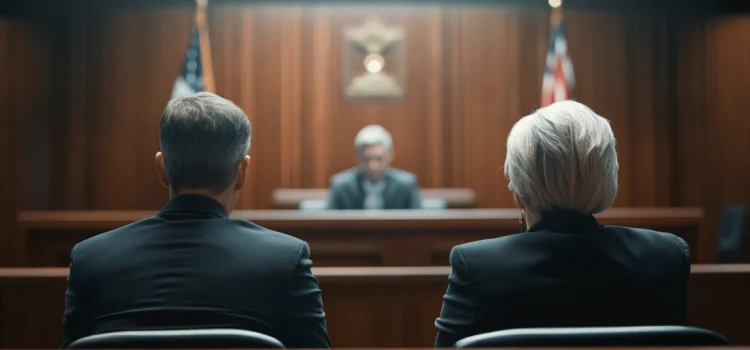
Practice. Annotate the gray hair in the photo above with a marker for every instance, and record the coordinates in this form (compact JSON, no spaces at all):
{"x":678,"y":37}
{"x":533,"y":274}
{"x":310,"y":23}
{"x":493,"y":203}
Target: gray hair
{"x":372,"y":135}
{"x":203,"y":138}
{"x":562,"y":157}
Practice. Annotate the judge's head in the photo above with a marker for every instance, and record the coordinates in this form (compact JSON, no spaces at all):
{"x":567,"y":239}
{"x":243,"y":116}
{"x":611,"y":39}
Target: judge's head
{"x":374,"y":147}
{"x":562,"y":157}
{"x":204,"y":141}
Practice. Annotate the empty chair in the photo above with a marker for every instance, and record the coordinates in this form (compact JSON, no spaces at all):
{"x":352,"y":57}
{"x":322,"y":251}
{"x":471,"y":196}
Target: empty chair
{"x":595,"y":336}
{"x":730,"y":245}
{"x":195,"y":338}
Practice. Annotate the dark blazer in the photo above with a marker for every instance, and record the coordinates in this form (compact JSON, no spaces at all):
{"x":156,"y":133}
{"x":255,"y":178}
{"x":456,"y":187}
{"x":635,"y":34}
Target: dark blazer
{"x":193,"y":267}
{"x":401,"y":190}
{"x":567,"y":271}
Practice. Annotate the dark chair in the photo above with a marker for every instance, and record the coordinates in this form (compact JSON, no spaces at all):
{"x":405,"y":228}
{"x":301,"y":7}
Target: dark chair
{"x":731,"y":244}
{"x":186,"y":339}
{"x":595,"y":336}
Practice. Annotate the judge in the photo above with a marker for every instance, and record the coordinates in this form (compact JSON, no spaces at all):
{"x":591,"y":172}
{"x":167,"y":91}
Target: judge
{"x":373,"y":184}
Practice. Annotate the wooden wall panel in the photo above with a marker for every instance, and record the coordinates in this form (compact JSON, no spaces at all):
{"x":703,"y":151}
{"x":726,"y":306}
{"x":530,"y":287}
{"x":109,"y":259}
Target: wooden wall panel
{"x":727,"y":118}
{"x":466,"y":86}
{"x":33,"y":75}
{"x":485,"y":100}
{"x":8,"y":202}
{"x":134,"y":59}
{"x":86,"y":92}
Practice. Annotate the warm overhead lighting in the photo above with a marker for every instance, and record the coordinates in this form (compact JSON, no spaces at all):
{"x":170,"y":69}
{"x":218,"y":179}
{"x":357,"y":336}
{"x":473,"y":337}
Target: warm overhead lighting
{"x":374,"y":63}
{"x":555,"y":3}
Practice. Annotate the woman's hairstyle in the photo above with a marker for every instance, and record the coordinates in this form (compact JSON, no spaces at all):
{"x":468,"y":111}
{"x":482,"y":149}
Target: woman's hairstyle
{"x":562,"y":157}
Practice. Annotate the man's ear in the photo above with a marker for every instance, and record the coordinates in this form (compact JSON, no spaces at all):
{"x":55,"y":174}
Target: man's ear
{"x":161,"y":169}
{"x":241,"y":177}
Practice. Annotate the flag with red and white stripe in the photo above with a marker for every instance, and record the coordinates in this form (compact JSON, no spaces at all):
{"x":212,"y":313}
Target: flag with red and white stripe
{"x":558,"y":71}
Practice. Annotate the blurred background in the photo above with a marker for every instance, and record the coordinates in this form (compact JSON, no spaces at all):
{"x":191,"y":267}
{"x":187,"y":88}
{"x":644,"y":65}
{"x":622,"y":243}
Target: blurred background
{"x":83,"y":83}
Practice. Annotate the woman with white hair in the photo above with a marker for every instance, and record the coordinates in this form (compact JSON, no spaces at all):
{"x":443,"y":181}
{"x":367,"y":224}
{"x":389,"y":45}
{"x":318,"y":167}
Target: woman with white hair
{"x":564,"y":269}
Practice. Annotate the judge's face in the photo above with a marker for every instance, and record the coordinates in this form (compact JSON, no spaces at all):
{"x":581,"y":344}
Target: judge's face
{"x":374,"y":160}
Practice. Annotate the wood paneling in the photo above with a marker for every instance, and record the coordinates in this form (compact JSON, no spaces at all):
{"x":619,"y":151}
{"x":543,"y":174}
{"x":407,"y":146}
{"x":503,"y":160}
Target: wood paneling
{"x":362,"y":304}
{"x":32,"y":77}
{"x":727,"y":118}
{"x":345,"y":238}
{"x":471,"y":72}
{"x":85,"y":90}
{"x":8,"y":196}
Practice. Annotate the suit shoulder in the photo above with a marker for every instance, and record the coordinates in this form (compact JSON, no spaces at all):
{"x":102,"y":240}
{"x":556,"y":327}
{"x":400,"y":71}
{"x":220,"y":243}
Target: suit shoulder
{"x":110,"y":238}
{"x":344,"y":177}
{"x":653,"y":238}
{"x":273,"y":238}
{"x":118,"y":233}
{"x":403,"y":176}
{"x":646,"y":234}
{"x":488,"y":245}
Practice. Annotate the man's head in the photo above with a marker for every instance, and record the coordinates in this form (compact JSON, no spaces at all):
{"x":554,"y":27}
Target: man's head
{"x":204,"y":142}
{"x":374,"y":147}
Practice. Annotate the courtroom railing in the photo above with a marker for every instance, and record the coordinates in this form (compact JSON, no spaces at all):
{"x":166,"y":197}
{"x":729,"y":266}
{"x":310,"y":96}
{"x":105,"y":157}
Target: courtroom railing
{"x":344,"y":238}
{"x":362,"y":304}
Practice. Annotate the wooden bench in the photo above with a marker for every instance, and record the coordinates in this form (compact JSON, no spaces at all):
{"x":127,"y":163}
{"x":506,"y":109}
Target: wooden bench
{"x":373,"y":307}
{"x":343,"y":238}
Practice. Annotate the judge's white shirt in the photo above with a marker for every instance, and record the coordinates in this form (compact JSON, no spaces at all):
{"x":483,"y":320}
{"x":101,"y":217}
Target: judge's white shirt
{"x":373,"y":194}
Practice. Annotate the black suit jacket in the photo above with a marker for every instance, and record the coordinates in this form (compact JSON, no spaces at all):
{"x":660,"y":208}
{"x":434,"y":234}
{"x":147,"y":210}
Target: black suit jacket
{"x":567,"y":271}
{"x":401,"y":190}
{"x":192,"y":267}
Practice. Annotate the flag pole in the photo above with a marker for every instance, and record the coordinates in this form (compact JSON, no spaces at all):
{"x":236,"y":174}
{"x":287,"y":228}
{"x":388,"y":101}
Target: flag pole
{"x":202,"y":23}
{"x":556,"y":16}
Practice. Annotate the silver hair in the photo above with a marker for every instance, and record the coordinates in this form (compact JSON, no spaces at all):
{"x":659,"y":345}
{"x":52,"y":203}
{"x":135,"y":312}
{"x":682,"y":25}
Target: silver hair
{"x":562,"y":156}
{"x":372,"y":135}
{"x":203,"y":138}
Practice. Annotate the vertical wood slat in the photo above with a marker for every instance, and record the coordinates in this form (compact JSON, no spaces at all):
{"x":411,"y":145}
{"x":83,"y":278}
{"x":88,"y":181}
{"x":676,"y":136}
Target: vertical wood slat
{"x":676,"y":126}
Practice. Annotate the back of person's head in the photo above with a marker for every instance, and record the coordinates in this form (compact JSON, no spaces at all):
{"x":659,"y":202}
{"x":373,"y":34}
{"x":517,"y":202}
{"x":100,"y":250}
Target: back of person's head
{"x":562,"y":157}
{"x":204,"y":139}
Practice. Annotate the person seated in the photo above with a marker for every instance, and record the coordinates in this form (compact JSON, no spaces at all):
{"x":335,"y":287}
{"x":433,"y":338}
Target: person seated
{"x":564,"y":269}
{"x":191,"y":266}
{"x":374,"y":184}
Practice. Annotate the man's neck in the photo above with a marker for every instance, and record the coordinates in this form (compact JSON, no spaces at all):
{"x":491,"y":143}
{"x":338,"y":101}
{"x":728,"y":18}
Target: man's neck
{"x":225,"y":198}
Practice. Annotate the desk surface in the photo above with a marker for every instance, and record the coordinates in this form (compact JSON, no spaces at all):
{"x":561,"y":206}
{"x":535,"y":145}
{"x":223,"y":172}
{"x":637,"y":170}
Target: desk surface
{"x":450,"y":218}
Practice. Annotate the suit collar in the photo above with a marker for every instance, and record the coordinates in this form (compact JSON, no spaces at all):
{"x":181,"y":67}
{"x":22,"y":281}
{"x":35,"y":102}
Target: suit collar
{"x":565,"y":221}
{"x":194,"y":204}
{"x":388,"y":188}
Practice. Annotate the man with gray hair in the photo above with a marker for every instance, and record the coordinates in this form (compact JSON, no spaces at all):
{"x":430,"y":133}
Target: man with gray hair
{"x":374,"y":184}
{"x":191,"y":266}
{"x":564,"y":269}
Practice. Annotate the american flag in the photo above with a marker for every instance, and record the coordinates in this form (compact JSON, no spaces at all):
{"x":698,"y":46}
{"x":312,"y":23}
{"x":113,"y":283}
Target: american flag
{"x":190,"y":79}
{"x":558,"y":72}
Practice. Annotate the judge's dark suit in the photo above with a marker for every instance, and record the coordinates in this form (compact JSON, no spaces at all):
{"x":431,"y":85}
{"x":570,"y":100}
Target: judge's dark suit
{"x":192,"y":267}
{"x":567,"y":271}
{"x":401,"y":190}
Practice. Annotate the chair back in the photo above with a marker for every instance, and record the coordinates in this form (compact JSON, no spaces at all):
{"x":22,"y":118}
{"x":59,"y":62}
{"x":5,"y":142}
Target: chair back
{"x":731,"y":240}
{"x":595,"y":336}
{"x":185,"y":339}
